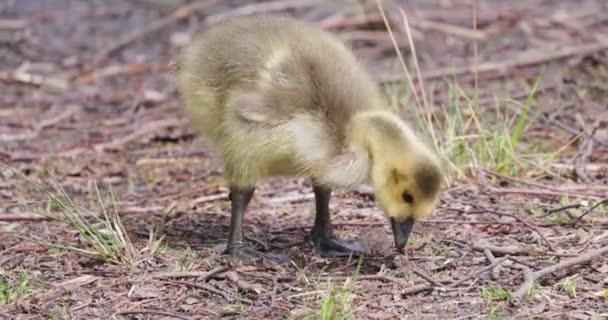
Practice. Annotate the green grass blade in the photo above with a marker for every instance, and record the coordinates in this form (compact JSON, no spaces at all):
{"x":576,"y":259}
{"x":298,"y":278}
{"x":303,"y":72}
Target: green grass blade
{"x":519,"y":128}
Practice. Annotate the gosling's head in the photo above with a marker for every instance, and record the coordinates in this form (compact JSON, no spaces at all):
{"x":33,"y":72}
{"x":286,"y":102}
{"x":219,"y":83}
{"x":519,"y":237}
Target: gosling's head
{"x":405,"y":174}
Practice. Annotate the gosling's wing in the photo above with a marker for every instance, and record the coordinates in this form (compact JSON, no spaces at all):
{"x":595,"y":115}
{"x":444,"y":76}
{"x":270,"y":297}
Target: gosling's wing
{"x":252,"y":107}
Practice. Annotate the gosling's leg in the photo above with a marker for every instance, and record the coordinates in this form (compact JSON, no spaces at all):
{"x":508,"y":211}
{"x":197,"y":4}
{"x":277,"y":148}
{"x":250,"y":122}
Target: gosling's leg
{"x":236,"y":247}
{"x":325,"y":243}
{"x":239,"y":199}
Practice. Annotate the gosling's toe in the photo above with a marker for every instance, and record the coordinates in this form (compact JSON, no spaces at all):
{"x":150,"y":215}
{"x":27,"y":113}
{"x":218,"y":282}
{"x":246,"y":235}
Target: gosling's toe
{"x":331,"y":246}
{"x":247,"y":253}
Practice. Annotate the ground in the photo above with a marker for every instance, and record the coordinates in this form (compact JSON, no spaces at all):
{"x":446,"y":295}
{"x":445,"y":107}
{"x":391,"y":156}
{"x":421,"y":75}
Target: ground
{"x":84,"y":103}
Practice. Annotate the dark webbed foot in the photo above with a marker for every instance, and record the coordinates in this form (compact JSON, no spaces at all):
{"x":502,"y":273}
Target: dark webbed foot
{"x":331,"y":246}
{"x":236,"y":246}
{"x":247,"y":253}
{"x":324,"y":242}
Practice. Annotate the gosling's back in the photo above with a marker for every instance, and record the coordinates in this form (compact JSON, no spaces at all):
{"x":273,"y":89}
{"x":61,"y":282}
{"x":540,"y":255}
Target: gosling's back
{"x":296,"y":67}
{"x":251,"y":79}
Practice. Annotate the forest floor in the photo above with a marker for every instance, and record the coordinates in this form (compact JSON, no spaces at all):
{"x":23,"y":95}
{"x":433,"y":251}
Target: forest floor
{"x":87,"y":99}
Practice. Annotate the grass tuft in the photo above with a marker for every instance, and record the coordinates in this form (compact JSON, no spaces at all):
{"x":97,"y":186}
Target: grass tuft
{"x":472,"y":138}
{"x":103,"y":233}
{"x":495,"y":313}
{"x":467,"y":137}
{"x":569,"y":286}
{"x":493,"y":292}
{"x":338,"y":302}
{"x":11,"y":290}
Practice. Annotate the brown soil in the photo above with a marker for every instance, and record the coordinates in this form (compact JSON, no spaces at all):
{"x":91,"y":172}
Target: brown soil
{"x":110,"y":114}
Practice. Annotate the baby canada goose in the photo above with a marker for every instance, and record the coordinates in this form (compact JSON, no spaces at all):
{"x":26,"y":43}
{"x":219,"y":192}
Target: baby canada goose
{"x":280,"y":97}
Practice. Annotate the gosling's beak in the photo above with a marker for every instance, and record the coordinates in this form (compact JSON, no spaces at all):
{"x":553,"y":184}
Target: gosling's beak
{"x":401,"y":231}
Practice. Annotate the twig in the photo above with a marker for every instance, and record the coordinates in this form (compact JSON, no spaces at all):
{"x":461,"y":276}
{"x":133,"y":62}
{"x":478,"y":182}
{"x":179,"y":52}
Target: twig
{"x":449,"y":29}
{"x":202,"y":286}
{"x":530,"y":278}
{"x":399,"y":55}
{"x":417,"y":289}
{"x":590,"y":167}
{"x":518,"y":180}
{"x":22,"y":76}
{"x":69,"y":111}
{"x":515,"y":250}
{"x":28,"y":216}
{"x":13,"y":24}
{"x":209,"y":198}
{"x":434,"y":284}
{"x":116,"y":70}
{"x":262,"y":7}
{"x":177,"y":15}
{"x":292,"y":198}
{"x":583,"y":152}
{"x":525,"y":60}
{"x":427,"y":108}
{"x":478,"y":272}
{"x":149,"y":128}
{"x":241,"y":284}
{"x":542,"y":192}
{"x":439,"y":221}
{"x":475,"y":53}
{"x":201,"y":275}
{"x":520,"y":219}
{"x":426,"y":277}
{"x":492,"y":259}
{"x":275,"y":287}
{"x":563,"y":208}
{"x":154,"y":312}
{"x":589,"y":211}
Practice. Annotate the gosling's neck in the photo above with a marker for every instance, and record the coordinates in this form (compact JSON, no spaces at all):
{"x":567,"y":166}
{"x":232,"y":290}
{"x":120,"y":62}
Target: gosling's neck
{"x":367,"y":134}
{"x":379,"y":133}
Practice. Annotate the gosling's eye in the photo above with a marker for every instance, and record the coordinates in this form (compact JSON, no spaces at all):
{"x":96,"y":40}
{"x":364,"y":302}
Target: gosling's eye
{"x":407,"y":197}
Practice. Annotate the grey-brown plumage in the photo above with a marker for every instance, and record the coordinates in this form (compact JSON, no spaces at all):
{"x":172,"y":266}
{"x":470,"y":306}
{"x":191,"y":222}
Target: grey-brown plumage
{"x":280,"y":97}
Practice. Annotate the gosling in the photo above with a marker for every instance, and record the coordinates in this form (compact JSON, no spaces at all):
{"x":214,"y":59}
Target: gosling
{"x":280,"y":97}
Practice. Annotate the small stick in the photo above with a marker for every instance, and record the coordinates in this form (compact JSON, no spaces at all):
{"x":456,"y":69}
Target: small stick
{"x":475,"y":273}
{"x":417,"y":289}
{"x":28,"y":216}
{"x":527,"y":59}
{"x":583,"y":152}
{"x":589,"y":211}
{"x":419,"y":78}
{"x":263,"y":7}
{"x":22,"y":76}
{"x":157,"y":313}
{"x":201,"y":286}
{"x":492,"y":259}
{"x":209,"y":198}
{"x":542,"y":192}
{"x":241,"y":284}
{"x":177,"y":15}
{"x":431,"y":286}
{"x":69,"y":111}
{"x":563,"y":208}
{"x":202,"y":275}
{"x":531,"y":277}
{"x":515,"y":250}
{"x":529,"y":225}
{"x":426,"y":277}
{"x":399,"y":55}
{"x":13,"y":24}
{"x":517,"y":180}
{"x":147,"y":129}
{"x":293,"y":198}
{"x":449,"y":29}
{"x":275,"y":287}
